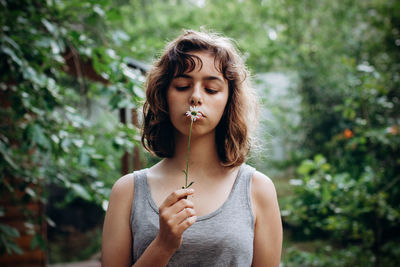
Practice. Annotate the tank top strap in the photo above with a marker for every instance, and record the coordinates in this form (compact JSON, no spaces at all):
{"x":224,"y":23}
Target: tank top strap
{"x":241,"y":192}
{"x":140,"y":191}
{"x":244,"y":177}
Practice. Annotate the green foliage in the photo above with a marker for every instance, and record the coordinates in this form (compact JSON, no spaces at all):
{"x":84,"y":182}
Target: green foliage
{"x":343,"y":56}
{"x":330,"y":257}
{"x":349,"y":256}
{"x":49,"y":134}
{"x":347,"y":61}
{"x":349,"y":209}
{"x":76,"y":247}
{"x":7,"y":235}
{"x":254,"y":25}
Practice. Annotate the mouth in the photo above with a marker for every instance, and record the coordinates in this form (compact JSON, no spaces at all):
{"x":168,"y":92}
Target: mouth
{"x":199,"y":112}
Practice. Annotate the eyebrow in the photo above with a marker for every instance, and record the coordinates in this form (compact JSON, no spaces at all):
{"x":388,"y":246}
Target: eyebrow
{"x":207,"y":78}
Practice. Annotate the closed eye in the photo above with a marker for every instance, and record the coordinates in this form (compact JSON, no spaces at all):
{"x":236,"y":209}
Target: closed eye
{"x":181,"y":88}
{"x":211,"y":91}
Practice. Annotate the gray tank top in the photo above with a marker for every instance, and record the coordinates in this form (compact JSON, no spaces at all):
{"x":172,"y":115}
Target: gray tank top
{"x":223,"y":237}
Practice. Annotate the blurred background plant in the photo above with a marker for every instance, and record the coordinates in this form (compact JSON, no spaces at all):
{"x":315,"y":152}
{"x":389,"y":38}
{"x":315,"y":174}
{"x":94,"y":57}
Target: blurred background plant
{"x":328,"y":77}
{"x":62,"y":83}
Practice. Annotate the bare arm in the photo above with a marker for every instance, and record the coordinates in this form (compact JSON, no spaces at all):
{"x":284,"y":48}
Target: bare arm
{"x":176,"y":215}
{"x":117,"y":240}
{"x":268,"y":225}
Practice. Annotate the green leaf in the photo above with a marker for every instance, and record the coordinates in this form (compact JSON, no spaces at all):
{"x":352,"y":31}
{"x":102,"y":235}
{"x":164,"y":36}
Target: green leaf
{"x":30,"y":192}
{"x":38,"y":241}
{"x":81,"y":191}
{"x":306,"y":167}
{"x":12,"y":43}
{"x":139,"y":91}
{"x":12,"y":55}
{"x":98,"y":10}
{"x":13,"y":248}
{"x":10,"y":232}
{"x":6,"y":155}
{"x":44,"y":42}
{"x":319,"y":159}
{"x":49,"y":26}
{"x":38,"y":136}
{"x":50,"y":222}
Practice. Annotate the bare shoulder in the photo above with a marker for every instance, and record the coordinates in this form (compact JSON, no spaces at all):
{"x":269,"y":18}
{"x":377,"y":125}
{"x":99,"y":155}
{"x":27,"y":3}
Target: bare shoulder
{"x":116,"y":241}
{"x":267,"y":251}
{"x":123,"y":189}
{"x":125,"y":183}
{"x":262,"y":189}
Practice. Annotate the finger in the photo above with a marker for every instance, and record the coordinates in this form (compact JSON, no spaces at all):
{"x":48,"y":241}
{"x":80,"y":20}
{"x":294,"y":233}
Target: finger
{"x":170,"y":214}
{"x":183,"y":215}
{"x":180,"y":205}
{"x":185,"y":224}
{"x":175,"y":196}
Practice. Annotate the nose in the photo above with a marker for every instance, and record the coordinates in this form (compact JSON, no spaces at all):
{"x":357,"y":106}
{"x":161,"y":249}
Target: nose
{"x":195,"y":99}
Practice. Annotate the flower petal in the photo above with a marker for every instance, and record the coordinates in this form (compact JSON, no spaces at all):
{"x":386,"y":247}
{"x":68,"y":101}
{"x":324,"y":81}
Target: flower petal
{"x":193,"y":113}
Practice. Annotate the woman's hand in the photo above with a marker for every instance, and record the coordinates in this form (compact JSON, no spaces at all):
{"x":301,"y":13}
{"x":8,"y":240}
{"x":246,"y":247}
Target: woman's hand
{"x":176,"y":214}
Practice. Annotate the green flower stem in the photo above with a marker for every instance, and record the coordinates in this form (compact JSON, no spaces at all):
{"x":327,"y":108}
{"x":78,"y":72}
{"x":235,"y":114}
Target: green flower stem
{"x":187,"y":156}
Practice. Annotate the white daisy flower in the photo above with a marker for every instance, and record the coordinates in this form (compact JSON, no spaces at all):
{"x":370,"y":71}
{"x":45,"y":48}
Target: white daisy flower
{"x":193,"y":113}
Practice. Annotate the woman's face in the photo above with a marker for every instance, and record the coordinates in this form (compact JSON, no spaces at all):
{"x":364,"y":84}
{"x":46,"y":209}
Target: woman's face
{"x":203,"y":87}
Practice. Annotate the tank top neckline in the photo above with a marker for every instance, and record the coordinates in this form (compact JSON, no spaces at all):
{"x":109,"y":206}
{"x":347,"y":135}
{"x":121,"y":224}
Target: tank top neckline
{"x":199,"y":218}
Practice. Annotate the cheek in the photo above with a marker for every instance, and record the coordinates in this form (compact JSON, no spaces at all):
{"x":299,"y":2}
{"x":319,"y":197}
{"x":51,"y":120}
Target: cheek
{"x":174,"y":109}
{"x":174,"y":98}
{"x":171,"y":100}
{"x":221,"y":104}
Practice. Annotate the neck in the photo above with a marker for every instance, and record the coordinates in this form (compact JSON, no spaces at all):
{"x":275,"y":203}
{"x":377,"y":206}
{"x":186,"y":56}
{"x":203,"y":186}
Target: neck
{"x":203,"y":153}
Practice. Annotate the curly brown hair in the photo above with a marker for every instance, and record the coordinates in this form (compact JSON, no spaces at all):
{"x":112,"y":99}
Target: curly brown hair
{"x":232,"y":138}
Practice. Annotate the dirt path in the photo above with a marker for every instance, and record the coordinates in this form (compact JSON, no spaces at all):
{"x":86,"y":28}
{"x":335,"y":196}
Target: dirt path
{"x":90,"y":263}
{"x":94,"y":261}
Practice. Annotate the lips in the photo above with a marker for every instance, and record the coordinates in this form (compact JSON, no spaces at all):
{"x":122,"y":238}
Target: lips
{"x":201,"y":113}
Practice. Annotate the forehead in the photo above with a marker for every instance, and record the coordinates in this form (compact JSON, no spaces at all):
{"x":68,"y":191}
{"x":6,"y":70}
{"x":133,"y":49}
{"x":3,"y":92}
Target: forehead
{"x":199,"y":61}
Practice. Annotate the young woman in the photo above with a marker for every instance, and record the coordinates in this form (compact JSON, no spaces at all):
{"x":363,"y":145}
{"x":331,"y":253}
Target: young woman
{"x":230,"y":215}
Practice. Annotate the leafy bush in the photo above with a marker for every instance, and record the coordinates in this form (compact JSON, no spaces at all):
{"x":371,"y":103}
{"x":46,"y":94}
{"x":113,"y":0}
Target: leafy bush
{"x":48,"y":134}
{"x":351,"y":211}
{"x":330,"y":257}
{"x":346,"y":189}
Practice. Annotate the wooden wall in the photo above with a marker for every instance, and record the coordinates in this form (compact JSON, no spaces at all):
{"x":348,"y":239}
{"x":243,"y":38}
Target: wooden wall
{"x":16,"y":216}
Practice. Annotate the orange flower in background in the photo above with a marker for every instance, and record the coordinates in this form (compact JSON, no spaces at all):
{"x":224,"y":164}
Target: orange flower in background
{"x":348,"y":133}
{"x":394,"y":129}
